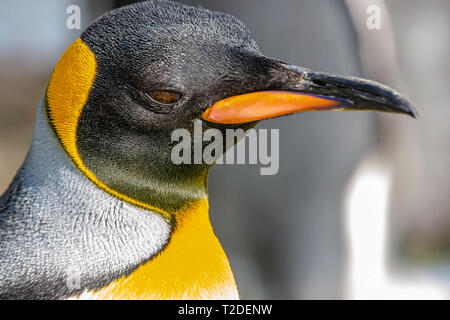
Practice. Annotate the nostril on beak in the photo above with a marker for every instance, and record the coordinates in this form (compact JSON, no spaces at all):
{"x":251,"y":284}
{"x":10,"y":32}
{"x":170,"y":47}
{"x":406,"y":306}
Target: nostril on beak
{"x":319,"y":83}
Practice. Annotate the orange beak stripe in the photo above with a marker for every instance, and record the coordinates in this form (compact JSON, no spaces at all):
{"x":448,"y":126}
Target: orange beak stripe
{"x":263,"y":105}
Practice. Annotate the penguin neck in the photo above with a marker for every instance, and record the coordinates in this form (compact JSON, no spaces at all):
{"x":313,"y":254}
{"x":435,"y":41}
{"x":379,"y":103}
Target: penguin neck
{"x":165,"y":259}
{"x":139,"y":170}
{"x":69,"y":225}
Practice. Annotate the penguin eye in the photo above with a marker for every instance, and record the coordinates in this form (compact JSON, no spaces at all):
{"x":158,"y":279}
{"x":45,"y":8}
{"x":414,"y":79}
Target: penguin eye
{"x":163,"y":97}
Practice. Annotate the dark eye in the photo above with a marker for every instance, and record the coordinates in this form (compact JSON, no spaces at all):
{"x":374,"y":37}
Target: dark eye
{"x":163,"y":97}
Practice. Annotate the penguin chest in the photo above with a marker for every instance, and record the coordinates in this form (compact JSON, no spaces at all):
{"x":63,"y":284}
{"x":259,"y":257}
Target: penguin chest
{"x":193,"y":265}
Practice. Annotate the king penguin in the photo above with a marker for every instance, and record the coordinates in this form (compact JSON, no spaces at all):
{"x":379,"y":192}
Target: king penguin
{"x":98,"y":209}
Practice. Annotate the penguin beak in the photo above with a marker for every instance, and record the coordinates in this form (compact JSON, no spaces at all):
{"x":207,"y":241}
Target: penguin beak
{"x":294,"y":89}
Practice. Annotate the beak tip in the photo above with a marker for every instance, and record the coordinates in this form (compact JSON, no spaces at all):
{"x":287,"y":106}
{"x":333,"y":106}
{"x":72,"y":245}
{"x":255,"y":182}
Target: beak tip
{"x":414,"y":114}
{"x":409,"y":110}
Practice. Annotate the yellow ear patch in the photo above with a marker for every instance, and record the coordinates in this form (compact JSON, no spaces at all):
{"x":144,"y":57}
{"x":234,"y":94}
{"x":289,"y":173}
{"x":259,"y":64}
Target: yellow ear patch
{"x":67,"y":93}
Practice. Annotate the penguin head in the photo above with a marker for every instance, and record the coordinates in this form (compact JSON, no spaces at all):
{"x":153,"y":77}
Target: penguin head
{"x":141,"y":71}
{"x":162,"y":64}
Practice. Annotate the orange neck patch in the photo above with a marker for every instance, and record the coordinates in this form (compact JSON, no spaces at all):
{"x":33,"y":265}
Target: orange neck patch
{"x":192,"y":266}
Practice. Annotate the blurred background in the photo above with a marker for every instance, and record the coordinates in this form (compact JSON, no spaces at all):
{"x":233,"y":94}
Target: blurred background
{"x":360,"y":207}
